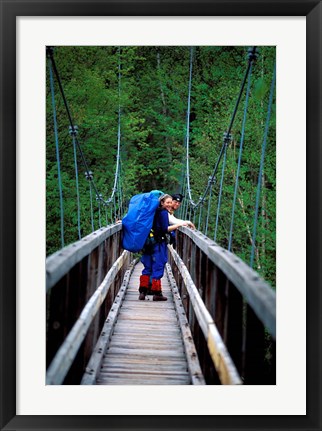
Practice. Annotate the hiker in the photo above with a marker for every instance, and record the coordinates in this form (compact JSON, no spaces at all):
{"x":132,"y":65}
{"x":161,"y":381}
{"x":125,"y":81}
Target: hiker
{"x":176,"y":202}
{"x":154,"y":260}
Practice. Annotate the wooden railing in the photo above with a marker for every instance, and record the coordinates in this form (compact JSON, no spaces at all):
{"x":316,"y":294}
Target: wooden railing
{"x":82,"y":281}
{"x":229,"y":309}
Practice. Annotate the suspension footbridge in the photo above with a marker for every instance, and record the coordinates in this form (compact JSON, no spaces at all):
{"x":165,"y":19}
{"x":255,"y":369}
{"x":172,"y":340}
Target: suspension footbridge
{"x":219,"y":323}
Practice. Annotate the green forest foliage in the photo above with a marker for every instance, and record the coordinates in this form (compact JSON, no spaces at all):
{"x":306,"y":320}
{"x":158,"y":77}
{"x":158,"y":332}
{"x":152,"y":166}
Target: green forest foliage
{"x":152,"y":94}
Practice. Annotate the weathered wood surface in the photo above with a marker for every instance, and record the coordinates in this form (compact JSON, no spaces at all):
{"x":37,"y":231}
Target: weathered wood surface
{"x":255,"y":290}
{"x":146,"y":345}
{"x":222,"y":360}
{"x":67,"y":352}
{"x":58,"y":264}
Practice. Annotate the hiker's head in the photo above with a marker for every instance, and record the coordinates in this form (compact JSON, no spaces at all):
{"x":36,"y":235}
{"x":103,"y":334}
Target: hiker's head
{"x":166,"y":202}
{"x":176,"y":201}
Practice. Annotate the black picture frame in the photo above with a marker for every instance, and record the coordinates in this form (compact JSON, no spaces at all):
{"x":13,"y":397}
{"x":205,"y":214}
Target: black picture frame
{"x":12,"y":9}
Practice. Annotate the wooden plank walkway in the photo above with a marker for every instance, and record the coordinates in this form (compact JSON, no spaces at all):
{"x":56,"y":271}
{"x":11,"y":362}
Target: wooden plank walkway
{"x":147,"y":344}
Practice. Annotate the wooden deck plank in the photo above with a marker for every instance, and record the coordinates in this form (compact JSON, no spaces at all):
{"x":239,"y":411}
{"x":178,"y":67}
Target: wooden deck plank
{"x":140,"y":380}
{"x":154,"y":361}
{"x":146,"y":345}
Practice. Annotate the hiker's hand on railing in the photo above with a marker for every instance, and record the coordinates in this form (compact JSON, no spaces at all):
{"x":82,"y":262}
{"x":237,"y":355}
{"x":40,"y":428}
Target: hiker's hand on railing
{"x":184,"y":223}
{"x":191,"y":225}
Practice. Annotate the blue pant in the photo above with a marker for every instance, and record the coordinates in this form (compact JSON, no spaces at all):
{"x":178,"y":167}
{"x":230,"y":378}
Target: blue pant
{"x":154,"y":263}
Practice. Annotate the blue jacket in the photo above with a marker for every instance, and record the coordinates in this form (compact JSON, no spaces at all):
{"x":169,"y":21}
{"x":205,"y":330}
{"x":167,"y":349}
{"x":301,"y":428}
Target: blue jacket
{"x":160,"y":224}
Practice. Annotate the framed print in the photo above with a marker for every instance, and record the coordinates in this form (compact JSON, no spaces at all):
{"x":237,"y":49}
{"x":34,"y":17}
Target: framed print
{"x":294,"y":27}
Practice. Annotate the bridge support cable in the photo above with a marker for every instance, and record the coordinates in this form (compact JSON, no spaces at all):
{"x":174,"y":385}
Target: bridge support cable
{"x":50,"y":53}
{"x":188,"y":127}
{"x":262,"y":166}
{"x":252,"y":55}
{"x":118,"y":155}
{"x":212,"y":181}
{"x":227,"y":140}
{"x":52,"y":88}
{"x":89,"y":177}
{"x":99,"y":200}
{"x":73,"y":132}
{"x":183,"y":210}
{"x":200,"y":214}
{"x":239,"y":159}
{"x":117,"y":187}
{"x":106,"y":222}
{"x":119,"y":213}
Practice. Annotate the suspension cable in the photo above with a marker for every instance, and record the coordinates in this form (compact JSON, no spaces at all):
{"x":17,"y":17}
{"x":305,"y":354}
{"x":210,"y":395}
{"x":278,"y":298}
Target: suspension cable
{"x":220,"y":191}
{"x":252,"y":55}
{"x":73,"y":134}
{"x":239,"y":159}
{"x":199,"y":219}
{"x":99,"y":199}
{"x":209,"y":204}
{"x":116,"y":176}
{"x":89,"y":177}
{"x":51,"y":56}
{"x":88,"y":173}
{"x":262,"y":165}
{"x":188,"y":127}
{"x":57,"y":156}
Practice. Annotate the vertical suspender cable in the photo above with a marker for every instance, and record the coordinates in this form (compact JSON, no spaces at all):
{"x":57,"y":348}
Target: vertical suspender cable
{"x":114,"y":210}
{"x":118,"y":212}
{"x":57,"y":156}
{"x":120,"y":207}
{"x":120,"y":199}
{"x":185,"y":211}
{"x":199,"y":220}
{"x":91,"y":199}
{"x":220,"y":191}
{"x":188,"y":127}
{"x":239,"y":161}
{"x":262,"y":166}
{"x":98,"y":198}
{"x":184,"y":206}
{"x":50,"y":53}
{"x":73,"y":133}
{"x":209,"y":206}
{"x":182,"y":209}
{"x":118,"y":181}
{"x":252,"y":54}
{"x":117,"y":170}
{"x":194,"y":215}
{"x":106,"y":218}
{"x":118,"y":133}
{"x":89,"y":177}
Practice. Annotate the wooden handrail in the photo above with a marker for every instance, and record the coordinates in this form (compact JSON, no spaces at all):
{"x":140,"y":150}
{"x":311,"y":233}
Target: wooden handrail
{"x":68,"y":350}
{"x":58,"y":264}
{"x":228,"y":305}
{"x":224,"y":365}
{"x":257,"y":292}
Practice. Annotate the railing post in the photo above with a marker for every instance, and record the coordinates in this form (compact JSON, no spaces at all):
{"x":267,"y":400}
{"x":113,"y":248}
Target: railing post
{"x":234,"y":325}
{"x":254,"y":369}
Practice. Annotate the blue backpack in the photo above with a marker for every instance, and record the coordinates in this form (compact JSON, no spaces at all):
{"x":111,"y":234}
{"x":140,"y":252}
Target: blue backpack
{"x":137,"y":223}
